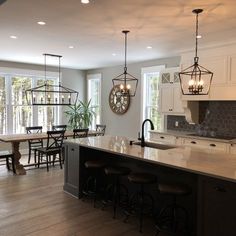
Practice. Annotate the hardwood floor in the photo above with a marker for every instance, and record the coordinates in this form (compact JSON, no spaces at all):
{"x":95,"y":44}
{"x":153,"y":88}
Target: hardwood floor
{"x":35,"y":205}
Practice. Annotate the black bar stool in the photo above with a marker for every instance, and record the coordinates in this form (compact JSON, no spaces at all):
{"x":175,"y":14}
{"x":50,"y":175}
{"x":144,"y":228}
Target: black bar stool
{"x":115,"y":191}
{"x":141,"y":202}
{"x":95,"y":169}
{"x":173,"y":218}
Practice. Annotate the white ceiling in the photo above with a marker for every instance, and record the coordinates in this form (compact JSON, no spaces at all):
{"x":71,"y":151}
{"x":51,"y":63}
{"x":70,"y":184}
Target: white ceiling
{"x":95,"y":29}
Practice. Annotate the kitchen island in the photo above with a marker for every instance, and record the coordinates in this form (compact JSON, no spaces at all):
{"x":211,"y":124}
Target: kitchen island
{"x":212,"y":176}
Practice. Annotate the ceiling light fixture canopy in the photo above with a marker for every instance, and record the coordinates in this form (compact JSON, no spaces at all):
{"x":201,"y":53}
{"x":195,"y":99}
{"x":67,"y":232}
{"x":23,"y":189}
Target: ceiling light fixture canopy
{"x":195,"y":80}
{"x":127,"y":83}
{"x":50,"y":94}
{"x":85,"y":1}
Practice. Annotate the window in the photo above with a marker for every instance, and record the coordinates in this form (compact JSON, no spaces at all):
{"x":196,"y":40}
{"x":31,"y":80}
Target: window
{"x":15,"y":114}
{"x":150,"y":96}
{"x":94,"y":93}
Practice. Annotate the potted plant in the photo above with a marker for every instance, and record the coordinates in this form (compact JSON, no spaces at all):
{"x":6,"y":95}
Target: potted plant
{"x":80,"y":115}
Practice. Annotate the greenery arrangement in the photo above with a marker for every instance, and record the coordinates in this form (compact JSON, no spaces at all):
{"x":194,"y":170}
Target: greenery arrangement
{"x":80,"y":115}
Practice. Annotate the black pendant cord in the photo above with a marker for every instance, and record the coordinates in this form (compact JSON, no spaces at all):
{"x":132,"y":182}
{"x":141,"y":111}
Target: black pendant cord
{"x":196,"y":46}
{"x":59,"y":70}
{"x":197,"y":12}
{"x":45,"y":68}
{"x":125,"y":67}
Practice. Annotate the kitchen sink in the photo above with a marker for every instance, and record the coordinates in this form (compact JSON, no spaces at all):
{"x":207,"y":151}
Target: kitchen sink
{"x":155,"y":145}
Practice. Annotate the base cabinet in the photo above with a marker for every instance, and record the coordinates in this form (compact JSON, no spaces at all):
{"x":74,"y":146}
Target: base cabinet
{"x":217,"y":207}
{"x":71,"y":170}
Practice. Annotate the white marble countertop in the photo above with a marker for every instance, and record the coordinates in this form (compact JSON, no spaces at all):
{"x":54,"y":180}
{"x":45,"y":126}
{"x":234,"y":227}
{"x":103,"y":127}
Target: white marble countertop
{"x":210,"y":163}
{"x":184,"y":134}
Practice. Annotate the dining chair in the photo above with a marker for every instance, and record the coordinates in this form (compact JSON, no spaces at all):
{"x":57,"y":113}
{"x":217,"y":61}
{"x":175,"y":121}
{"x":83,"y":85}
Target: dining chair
{"x":80,"y":133}
{"x":34,"y":144}
{"x":54,"y":147}
{"x":59,"y":127}
{"x":102,"y":129}
{"x":7,"y":155}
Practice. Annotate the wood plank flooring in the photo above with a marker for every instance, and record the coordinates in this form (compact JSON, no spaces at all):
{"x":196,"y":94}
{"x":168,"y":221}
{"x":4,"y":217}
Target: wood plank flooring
{"x":35,"y":205}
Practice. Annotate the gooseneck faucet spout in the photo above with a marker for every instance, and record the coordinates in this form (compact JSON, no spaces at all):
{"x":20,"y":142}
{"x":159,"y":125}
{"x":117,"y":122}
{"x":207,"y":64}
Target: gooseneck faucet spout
{"x":142,"y":137}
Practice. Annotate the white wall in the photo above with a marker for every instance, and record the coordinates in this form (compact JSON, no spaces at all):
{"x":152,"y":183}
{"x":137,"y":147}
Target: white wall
{"x":127,"y":124}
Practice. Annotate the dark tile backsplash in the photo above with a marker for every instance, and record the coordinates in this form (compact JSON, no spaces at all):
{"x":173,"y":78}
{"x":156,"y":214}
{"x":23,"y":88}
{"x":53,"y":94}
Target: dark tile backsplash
{"x":217,"y":118}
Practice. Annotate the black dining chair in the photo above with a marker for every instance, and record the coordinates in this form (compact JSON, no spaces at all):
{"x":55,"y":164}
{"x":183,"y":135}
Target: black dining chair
{"x":59,"y":127}
{"x":7,"y":155}
{"x":34,"y":144}
{"x":102,"y":129}
{"x":80,"y":133}
{"x":54,"y":147}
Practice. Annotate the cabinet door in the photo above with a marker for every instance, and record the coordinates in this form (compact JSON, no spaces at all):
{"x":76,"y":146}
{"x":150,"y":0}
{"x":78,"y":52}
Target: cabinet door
{"x":217,"y":65}
{"x":232,"y":148}
{"x":177,"y":100}
{"x":166,"y":99}
{"x":71,"y":170}
{"x":232,"y":69}
{"x":217,"y":213}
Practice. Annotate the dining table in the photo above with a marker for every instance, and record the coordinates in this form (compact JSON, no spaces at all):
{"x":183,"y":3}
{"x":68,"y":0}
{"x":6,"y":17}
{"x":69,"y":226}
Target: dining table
{"x":16,"y":139}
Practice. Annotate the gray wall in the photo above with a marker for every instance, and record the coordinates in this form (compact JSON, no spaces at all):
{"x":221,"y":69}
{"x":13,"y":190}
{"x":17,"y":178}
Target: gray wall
{"x":129,"y":123}
{"x":74,"y":79}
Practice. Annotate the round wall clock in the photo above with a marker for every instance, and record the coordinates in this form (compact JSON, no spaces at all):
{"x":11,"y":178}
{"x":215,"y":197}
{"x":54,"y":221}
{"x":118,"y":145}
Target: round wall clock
{"x":119,"y":103}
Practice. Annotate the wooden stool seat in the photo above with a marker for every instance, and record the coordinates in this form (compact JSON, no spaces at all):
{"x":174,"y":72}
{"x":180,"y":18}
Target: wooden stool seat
{"x":94,"y":164}
{"x":116,"y":170}
{"x":173,"y":189}
{"x":142,"y":178}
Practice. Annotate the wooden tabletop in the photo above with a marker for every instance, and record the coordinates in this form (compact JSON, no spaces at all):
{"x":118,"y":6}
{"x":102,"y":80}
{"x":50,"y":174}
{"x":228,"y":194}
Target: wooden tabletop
{"x":26,"y":137}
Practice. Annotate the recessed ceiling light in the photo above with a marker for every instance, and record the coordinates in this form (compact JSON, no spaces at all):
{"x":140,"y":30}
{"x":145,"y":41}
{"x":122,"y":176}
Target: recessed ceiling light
{"x":13,"y":37}
{"x":149,"y":47}
{"x":113,"y":54}
{"x":41,"y":23}
{"x":85,"y":1}
{"x":71,"y":47}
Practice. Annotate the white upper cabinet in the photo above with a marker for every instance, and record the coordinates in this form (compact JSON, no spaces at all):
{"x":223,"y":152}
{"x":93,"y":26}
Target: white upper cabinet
{"x":170,"y":92}
{"x":222,"y":62}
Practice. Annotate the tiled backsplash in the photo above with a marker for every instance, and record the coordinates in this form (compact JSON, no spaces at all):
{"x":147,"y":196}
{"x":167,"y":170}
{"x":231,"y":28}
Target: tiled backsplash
{"x":216,"y":118}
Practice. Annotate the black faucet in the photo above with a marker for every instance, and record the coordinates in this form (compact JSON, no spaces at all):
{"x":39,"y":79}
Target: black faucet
{"x":142,"y":137}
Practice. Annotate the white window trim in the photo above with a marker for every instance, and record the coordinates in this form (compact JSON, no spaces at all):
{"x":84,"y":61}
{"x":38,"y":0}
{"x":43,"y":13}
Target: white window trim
{"x":8,"y":73}
{"x":96,"y":76}
{"x":145,"y":70}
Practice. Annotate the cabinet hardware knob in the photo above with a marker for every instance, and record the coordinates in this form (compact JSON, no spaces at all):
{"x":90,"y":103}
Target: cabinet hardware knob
{"x":193,"y":142}
{"x":72,"y":149}
{"x":162,"y":137}
{"x":212,"y":145}
{"x":220,"y":189}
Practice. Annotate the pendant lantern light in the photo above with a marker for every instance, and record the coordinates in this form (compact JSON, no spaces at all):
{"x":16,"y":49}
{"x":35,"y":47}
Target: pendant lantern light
{"x":50,"y":94}
{"x":127,"y":83}
{"x":195,"y":80}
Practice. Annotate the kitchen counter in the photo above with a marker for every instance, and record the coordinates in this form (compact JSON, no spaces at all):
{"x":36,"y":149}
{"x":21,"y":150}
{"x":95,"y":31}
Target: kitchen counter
{"x":214,"y":164}
{"x":185,"y":134}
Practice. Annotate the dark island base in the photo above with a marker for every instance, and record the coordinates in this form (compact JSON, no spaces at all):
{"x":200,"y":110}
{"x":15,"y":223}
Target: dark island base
{"x":211,"y":205}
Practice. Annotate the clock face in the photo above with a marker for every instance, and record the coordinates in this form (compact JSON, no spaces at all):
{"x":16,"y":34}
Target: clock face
{"x":118,"y":102}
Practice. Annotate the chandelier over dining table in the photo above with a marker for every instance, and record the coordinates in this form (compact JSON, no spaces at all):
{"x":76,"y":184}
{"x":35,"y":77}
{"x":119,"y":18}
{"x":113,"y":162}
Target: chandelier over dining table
{"x":50,"y":94}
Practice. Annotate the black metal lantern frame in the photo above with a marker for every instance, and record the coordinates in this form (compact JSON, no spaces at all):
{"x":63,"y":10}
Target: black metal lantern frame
{"x":195,"y":80}
{"x":127,"y":83}
{"x":51,"y":95}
